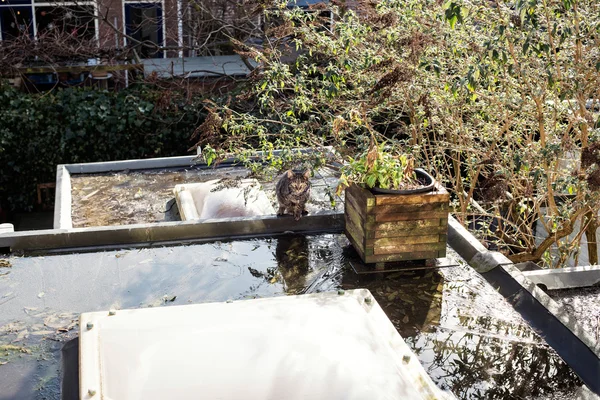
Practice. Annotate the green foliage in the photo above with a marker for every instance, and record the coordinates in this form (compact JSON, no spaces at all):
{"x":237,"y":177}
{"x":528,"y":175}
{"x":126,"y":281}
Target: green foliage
{"x":490,"y":96}
{"x":39,"y":131}
{"x":453,"y":13}
{"x":209,"y":154}
{"x":379,"y":167}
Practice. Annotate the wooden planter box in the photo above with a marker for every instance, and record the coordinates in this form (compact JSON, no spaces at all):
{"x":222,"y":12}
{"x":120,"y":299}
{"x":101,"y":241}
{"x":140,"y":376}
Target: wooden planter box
{"x":393,"y":227}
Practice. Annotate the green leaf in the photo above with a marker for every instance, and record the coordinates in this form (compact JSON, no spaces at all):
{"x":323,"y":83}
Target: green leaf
{"x":452,"y":20}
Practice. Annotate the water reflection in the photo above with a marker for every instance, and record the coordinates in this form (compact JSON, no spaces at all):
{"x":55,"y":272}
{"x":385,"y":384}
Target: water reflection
{"x":468,"y":338}
{"x":304,"y":265}
{"x":292,"y":255}
{"x":292,"y":265}
{"x":465,"y":345}
{"x":411,"y":300}
{"x":475,"y":366}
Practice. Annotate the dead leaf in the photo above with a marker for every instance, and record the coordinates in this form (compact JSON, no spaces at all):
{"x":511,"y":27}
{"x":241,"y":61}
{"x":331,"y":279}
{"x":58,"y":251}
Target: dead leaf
{"x":42,"y":333}
{"x":12,"y":347}
{"x":67,"y":328}
{"x":405,"y":319}
{"x":22,"y":335}
{"x":13,"y":327}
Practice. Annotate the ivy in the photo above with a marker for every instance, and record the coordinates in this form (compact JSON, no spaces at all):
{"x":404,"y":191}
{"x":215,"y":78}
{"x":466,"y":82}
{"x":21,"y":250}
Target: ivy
{"x":39,"y":131}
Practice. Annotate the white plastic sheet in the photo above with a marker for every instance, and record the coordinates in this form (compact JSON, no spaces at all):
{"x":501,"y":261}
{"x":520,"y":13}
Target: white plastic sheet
{"x":325,"y":346}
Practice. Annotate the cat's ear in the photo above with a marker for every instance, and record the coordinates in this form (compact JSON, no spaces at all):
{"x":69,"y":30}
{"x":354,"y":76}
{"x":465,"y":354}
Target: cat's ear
{"x":307,"y":174}
{"x":290,"y":174}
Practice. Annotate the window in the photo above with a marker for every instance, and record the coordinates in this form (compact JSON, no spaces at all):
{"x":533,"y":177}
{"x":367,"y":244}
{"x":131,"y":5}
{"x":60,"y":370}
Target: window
{"x":15,"y":21}
{"x":77,"y":21}
{"x":35,"y":17}
{"x":144,"y":23}
{"x":11,"y":2}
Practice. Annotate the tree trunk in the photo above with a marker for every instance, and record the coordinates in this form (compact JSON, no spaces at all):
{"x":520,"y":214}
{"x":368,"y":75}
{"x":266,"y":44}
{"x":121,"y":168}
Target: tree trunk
{"x":591,"y":221}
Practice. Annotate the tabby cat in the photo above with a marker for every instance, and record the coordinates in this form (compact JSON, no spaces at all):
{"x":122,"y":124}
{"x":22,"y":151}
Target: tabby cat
{"x":293,"y":191}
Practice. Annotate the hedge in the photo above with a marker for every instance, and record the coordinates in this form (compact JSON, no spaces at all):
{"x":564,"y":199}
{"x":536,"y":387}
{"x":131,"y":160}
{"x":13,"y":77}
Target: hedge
{"x":39,"y":131}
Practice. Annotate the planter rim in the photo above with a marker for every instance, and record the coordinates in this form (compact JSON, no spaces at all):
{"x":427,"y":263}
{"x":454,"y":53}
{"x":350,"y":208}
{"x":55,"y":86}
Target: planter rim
{"x":424,"y":189}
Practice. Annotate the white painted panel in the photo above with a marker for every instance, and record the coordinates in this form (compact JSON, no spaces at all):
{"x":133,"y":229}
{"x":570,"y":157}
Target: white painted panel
{"x":324,"y":346}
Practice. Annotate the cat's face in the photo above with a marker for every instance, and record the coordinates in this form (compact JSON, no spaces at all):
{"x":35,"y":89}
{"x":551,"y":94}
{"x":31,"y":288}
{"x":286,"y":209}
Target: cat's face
{"x":298,"y":180}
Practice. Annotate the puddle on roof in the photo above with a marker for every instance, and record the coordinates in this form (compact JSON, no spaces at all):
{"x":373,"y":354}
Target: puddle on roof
{"x":467,"y":337}
{"x":146,"y":196}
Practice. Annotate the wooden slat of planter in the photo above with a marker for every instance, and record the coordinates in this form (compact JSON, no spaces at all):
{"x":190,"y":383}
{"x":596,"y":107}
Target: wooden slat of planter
{"x":357,"y":247}
{"x":409,"y":208}
{"x":399,"y":241}
{"x":408,"y":216}
{"x":439,"y":196}
{"x":408,"y":228}
{"x":408,"y":248}
{"x":362,"y":196}
{"x":354,"y":215}
{"x":433,"y":197}
{"x":405,"y":225}
{"x":422,"y":255}
{"x":351,"y":194}
{"x":356,"y":232}
{"x":358,"y":207}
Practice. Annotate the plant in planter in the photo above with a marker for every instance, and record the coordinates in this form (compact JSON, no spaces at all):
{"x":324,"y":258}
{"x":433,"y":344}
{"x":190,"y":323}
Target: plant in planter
{"x":393,"y":211}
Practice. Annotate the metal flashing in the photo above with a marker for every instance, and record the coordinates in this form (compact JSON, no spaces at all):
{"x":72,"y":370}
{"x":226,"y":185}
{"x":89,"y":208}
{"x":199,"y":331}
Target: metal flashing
{"x":561,"y":330}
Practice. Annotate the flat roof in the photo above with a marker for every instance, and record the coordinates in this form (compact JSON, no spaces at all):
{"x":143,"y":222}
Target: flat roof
{"x":467,"y":336}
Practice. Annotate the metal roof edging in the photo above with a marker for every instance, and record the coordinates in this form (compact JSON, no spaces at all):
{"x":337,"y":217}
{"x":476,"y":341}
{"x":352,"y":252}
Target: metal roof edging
{"x":560,"y":330}
{"x":169,"y":232}
{"x":565,"y":278}
{"x":62,"y":203}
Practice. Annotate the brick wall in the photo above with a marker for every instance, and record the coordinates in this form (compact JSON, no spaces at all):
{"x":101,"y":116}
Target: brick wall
{"x":112,"y":10}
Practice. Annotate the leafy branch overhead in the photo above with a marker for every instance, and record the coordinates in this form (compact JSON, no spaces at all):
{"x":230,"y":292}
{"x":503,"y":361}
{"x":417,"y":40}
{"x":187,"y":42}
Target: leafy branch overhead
{"x":497,"y":99}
